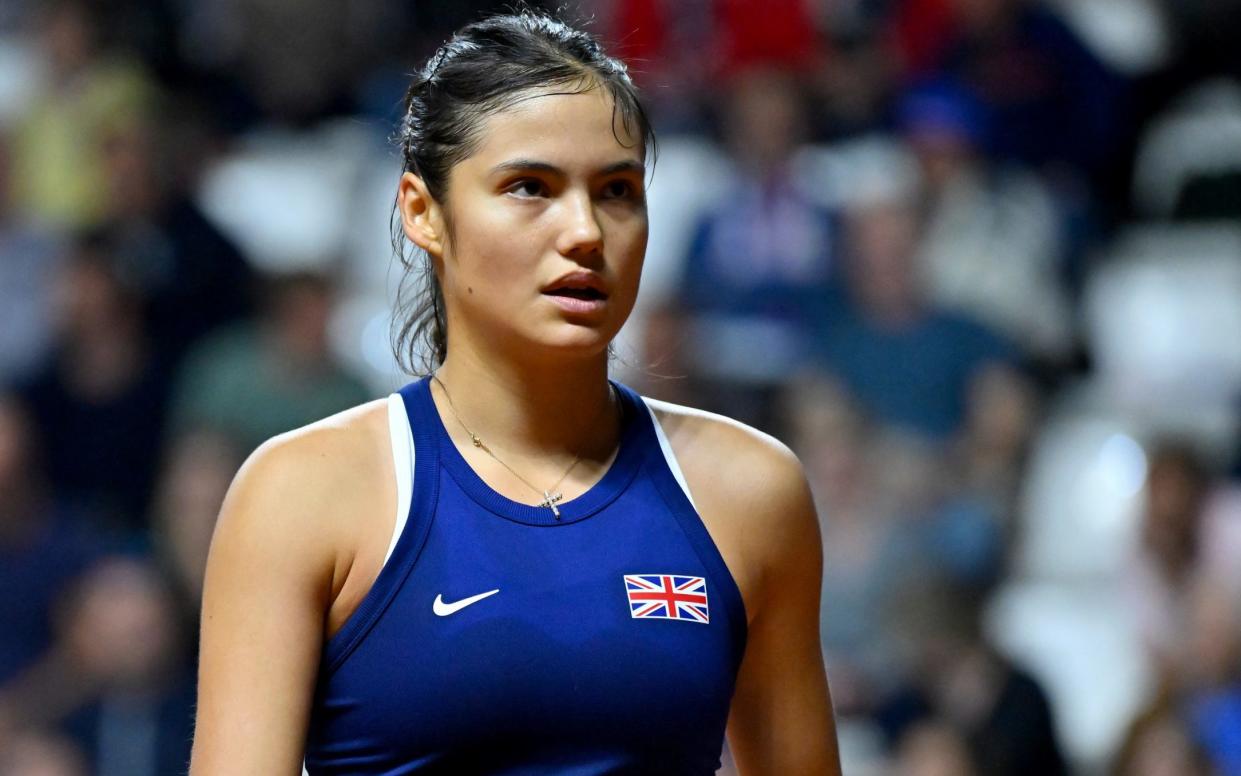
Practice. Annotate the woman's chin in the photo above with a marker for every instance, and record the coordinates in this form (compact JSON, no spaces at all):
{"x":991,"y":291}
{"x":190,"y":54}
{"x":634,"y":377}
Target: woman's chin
{"x":575,"y":341}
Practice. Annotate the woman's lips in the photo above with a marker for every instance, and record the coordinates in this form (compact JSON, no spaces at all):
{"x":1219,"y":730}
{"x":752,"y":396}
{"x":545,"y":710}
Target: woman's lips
{"x":576,"y":304}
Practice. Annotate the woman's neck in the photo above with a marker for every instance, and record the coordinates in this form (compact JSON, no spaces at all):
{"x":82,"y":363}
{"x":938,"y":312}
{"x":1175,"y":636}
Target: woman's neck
{"x":549,"y":412}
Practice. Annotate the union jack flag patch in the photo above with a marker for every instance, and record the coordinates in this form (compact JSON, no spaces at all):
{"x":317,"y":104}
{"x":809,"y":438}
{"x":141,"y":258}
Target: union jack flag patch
{"x":667,"y":597}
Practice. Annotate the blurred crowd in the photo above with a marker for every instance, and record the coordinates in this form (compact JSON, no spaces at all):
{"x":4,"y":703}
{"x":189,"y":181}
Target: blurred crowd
{"x":977,"y":261}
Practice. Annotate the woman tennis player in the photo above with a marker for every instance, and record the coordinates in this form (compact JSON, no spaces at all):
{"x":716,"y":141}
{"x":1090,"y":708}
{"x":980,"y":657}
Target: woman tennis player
{"x":562,"y":576}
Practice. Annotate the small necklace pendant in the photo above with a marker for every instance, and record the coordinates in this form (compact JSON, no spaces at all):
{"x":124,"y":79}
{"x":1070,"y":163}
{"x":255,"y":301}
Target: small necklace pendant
{"x":549,"y":501}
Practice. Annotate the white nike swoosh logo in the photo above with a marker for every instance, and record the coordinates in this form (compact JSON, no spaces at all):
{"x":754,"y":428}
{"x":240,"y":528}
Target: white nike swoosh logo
{"x":443,"y":609}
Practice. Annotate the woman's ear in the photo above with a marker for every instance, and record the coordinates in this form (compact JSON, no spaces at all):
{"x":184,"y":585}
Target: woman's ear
{"x":421,"y":217}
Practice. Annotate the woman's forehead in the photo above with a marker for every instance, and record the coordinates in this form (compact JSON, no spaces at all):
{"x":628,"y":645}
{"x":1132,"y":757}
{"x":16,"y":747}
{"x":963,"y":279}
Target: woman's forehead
{"x":565,"y":128}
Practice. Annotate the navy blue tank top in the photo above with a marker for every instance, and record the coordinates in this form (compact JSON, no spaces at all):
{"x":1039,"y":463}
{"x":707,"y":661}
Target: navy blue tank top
{"x":499,"y":638}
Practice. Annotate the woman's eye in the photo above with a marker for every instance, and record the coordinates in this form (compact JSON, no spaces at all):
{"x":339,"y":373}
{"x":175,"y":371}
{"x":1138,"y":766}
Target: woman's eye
{"x":621,"y":189}
{"x":528,"y":188}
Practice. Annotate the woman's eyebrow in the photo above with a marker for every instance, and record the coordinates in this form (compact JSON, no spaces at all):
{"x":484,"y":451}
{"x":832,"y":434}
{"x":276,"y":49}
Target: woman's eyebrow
{"x":526,"y":165}
{"x":626,"y":165}
{"x":534,"y":165}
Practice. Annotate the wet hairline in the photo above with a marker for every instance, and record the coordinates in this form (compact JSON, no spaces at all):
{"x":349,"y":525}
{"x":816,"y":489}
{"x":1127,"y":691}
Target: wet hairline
{"x":628,"y":127}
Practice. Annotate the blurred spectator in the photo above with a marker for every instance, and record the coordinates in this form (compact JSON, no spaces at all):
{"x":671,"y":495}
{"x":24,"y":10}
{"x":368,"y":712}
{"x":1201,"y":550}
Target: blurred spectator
{"x":942,"y":527}
{"x":760,"y":262}
{"x":191,"y":278}
{"x":1194,"y":720}
{"x":680,"y":50}
{"x":198,"y":469}
{"x":855,"y":90}
{"x":990,"y":453}
{"x":290,"y":62}
{"x":99,"y":401}
{"x":1221,"y":533}
{"x":256,"y":380}
{"x":38,"y":753}
{"x":1166,"y":559}
{"x":662,"y":42}
{"x":59,"y":171}
{"x":121,"y":639}
{"x":957,"y":676}
{"x":862,"y":561}
{"x":767,"y":248}
{"x":933,"y":748}
{"x":388,"y":36}
{"x":908,"y":363}
{"x":1053,"y":102}
{"x":1160,"y":744}
{"x":969,"y":523}
{"x":29,"y":255}
{"x":766,"y":34}
{"x":1211,"y":672}
{"x":992,"y":245}
{"x":42,"y":546}
{"x":890,"y":511}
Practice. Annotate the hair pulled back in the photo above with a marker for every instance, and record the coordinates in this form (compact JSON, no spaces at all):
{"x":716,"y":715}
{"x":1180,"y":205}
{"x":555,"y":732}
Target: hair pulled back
{"x":485,"y":67}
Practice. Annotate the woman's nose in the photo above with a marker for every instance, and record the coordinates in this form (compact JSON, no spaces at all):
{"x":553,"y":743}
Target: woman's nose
{"x":581,"y":234}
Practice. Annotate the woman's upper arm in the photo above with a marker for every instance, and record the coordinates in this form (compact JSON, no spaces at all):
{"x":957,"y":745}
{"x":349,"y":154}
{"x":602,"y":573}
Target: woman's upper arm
{"x":781,"y":717}
{"x":268,"y":584}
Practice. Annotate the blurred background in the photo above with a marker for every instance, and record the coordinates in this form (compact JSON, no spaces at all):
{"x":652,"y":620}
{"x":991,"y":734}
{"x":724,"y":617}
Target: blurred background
{"x":977,"y":261}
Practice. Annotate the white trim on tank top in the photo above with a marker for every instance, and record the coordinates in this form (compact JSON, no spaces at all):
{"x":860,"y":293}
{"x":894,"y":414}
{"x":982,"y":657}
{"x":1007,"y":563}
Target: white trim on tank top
{"x":402,"y":437}
{"x":669,"y":456}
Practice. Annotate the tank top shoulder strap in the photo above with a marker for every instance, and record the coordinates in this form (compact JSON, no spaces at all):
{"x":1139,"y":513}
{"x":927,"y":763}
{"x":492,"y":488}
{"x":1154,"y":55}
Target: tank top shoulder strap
{"x":407,"y":543}
{"x":402,"y":441}
{"x":655,"y":441}
{"x":670,"y":457}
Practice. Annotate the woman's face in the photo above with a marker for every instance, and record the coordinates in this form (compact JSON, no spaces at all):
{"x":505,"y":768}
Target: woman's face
{"x":548,"y":228}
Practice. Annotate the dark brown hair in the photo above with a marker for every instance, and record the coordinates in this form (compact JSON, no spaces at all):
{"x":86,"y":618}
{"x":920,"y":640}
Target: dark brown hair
{"x":484,"y":68}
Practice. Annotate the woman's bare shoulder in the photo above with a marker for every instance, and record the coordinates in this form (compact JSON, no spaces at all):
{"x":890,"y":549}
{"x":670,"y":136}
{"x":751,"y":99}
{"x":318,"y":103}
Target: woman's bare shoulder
{"x":280,"y":547}
{"x":298,"y":489}
{"x":351,"y":430}
{"x":322,"y":456}
{"x":709,"y":441}
{"x":750,"y":490}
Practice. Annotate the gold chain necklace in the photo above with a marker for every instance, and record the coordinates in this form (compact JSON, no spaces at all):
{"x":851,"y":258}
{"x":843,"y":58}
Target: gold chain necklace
{"x":550,"y":495}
